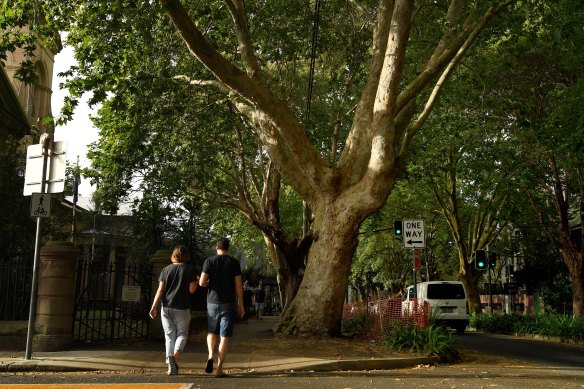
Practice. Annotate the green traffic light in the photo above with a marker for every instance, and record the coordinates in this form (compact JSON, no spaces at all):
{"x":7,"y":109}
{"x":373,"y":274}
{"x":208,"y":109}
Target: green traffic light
{"x":481,"y":265}
{"x":480,"y":260}
{"x":397,"y":227}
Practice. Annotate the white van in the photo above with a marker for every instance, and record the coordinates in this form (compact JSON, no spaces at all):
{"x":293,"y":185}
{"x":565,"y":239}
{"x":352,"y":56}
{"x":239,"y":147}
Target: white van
{"x":446,"y":299}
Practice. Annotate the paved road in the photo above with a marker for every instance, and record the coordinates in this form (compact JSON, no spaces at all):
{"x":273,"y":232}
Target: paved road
{"x":444,"y":377}
{"x":520,"y":350}
{"x":488,"y":361}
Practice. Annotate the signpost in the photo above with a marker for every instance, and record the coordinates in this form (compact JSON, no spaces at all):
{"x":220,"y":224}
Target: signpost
{"x":40,"y":205}
{"x":53,"y":175}
{"x":45,"y":174}
{"x":417,"y":262}
{"x":414,"y":237}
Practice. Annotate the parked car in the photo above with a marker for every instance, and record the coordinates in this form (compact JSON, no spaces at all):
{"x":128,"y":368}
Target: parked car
{"x":446,"y":299}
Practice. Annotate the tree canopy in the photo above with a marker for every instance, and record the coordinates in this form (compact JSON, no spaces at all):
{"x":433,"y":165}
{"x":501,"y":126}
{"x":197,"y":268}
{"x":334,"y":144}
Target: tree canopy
{"x":371,"y":100}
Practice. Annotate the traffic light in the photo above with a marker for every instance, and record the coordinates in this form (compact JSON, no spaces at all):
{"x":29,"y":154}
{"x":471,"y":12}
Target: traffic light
{"x":480,"y":259}
{"x":493,"y":261}
{"x":397,"y":227}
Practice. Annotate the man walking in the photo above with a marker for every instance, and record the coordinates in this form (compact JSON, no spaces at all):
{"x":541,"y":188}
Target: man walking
{"x":260,"y":301}
{"x":222,"y":275}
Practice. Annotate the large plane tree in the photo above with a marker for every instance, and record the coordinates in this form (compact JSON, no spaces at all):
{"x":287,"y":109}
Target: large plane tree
{"x":342,"y":193}
{"x":415,"y":48}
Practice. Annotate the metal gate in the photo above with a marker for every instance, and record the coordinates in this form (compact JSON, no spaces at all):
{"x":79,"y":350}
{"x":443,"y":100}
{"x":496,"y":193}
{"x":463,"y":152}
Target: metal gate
{"x":112,"y":302}
{"x":15,"y":286}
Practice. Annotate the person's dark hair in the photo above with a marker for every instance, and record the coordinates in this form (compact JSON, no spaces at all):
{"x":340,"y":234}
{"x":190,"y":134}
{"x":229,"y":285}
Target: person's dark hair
{"x":180,"y":254}
{"x":223,"y":244}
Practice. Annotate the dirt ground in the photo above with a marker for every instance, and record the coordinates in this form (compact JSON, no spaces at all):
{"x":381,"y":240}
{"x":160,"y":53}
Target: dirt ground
{"x":256,"y":336}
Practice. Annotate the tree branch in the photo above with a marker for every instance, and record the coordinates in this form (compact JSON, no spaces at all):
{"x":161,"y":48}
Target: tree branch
{"x":413,"y":129}
{"x":213,"y":83}
{"x":237,"y":10}
{"x":278,"y":127}
{"x":359,"y":138}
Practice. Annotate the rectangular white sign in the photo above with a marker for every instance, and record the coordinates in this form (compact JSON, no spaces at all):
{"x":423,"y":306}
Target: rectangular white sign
{"x":55,"y":175}
{"x":414,"y":237}
{"x":131,"y":293}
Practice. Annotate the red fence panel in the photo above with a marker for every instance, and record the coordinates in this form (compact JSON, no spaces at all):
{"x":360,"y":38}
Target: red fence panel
{"x":385,"y":314}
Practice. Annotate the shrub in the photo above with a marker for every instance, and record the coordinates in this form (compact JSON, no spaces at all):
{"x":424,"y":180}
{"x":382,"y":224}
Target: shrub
{"x":440,"y":344}
{"x":432,"y":341}
{"x":494,"y":323}
{"x":565,"y":327}
{"x":577,"y":329}
{"x":354,"y":325}
{"x":407,"y":338}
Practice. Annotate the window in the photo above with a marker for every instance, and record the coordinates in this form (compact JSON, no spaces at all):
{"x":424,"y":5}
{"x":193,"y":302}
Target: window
{"x":446,"y":292}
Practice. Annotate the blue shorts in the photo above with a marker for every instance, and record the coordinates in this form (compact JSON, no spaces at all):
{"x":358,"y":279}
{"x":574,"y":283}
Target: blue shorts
{"x":220,"y":319}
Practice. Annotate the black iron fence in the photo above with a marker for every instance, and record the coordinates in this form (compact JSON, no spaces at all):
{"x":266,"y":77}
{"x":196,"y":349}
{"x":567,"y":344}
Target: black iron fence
{"x":15,"y":287}
{"x":112,"y":302}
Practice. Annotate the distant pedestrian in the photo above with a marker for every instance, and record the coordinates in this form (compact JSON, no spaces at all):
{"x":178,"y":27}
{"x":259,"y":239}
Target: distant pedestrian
{"x":176,"y":283}
{"x":247,"y":301}
{"x":222,"y":275}
{"x":260,"y":301}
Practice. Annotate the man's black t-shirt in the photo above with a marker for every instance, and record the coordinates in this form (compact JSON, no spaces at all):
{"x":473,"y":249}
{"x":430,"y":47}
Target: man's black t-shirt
{"x":260,"y":296}
{"x":222,"y":270}
{"x":247,"y":298}
{"x":176,"y":279}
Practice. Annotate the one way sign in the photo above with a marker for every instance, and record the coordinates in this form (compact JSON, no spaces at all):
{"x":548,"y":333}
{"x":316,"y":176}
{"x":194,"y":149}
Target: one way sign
{"x":414,"y":237}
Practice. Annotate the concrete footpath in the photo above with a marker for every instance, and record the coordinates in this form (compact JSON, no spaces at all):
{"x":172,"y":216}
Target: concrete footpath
{"x":253,"y":349}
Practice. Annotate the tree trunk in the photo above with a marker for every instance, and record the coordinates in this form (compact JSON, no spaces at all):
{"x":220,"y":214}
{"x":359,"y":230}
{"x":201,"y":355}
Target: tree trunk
{"x":473,"y":294}
{"x":577,"y":279}
{"x":568,"y":245}
{"x":290,"y":268}
{"x":318,"y":306}
{"x":292,"y":283}
{"x":574,"y":261}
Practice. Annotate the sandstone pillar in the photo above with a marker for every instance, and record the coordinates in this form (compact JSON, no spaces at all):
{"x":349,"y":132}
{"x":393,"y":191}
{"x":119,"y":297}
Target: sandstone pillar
{"x":56,"y":297}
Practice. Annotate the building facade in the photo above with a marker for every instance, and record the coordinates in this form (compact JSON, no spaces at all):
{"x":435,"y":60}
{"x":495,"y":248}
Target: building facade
{"x":34,"y":98}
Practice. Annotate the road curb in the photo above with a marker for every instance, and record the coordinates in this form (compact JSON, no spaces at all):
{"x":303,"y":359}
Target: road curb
{"x":367,"y":364}
{"x":35,"y":366}
{"x":322,"y":366}
{"x":351,"y":365}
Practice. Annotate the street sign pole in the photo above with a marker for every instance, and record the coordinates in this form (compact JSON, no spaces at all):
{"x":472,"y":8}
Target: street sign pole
{"x":415,"y":266}
{"x":415,"y":283}
{"x":414,"y":238}
{"x":490,"y":291}
{"x":34,"y":290}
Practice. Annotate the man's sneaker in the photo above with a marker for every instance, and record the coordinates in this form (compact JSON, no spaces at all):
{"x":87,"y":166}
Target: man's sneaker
{"x":173,"y":365}
{"x":209,"y":367}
